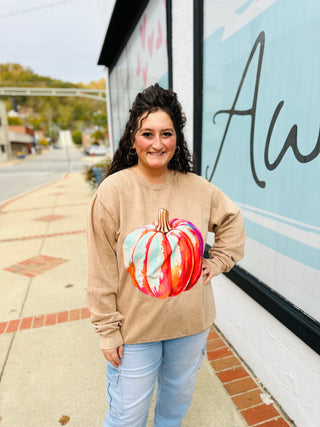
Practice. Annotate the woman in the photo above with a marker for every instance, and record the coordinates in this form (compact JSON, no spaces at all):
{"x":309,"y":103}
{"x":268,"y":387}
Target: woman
{"x":149,"y":289}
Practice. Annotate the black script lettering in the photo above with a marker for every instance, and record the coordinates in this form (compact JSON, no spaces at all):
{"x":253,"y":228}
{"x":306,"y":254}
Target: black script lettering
{"x":250,"y":112}
{"x":291,"y":141}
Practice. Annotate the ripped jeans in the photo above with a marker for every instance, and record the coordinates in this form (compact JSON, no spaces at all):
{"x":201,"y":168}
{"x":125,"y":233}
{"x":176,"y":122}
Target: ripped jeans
{"x":174,"y":363}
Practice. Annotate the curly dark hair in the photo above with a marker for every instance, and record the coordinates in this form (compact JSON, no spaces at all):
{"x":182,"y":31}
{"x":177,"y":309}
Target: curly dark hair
{"x":151,"y":99}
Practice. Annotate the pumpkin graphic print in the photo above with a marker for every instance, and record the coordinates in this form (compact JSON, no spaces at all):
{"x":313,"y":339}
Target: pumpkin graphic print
{"x":164,"y":258}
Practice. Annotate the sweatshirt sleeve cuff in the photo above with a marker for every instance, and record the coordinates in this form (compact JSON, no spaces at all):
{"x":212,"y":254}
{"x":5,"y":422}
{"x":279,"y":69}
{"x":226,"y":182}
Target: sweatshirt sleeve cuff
{"x":110,"y":341}
{"x":218,"y":267}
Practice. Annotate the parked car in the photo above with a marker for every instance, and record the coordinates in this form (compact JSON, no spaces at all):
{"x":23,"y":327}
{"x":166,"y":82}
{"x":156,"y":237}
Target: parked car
{"x":96,"y":150}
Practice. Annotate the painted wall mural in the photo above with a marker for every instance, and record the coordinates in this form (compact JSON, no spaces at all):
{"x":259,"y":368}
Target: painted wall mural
{"x":261,"y":138}
{"x":144,"y":61}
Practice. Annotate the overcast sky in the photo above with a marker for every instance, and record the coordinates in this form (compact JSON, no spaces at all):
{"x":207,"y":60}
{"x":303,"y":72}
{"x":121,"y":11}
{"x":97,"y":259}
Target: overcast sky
{"x":56,"y":38}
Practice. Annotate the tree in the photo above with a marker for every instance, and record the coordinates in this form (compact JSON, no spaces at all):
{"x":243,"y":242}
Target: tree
{"x":64,"y":118}
{"x":53,"y":132}
{"x":99,"y":118}
{"x":14,"y":121}
{"x":44,"y":142}
{"x":98,"y":135}
{"x":35,"y":121}
{"x":77,"y":137}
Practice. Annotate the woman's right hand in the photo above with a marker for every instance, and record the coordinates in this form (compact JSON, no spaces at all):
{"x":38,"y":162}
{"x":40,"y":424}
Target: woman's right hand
{"x":114,"y":355}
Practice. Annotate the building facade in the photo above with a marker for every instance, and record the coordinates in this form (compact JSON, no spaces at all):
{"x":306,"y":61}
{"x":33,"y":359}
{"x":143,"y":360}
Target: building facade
{"x":22,"y":140}
{"x":247,"y":75}
{"x":5,"y":147}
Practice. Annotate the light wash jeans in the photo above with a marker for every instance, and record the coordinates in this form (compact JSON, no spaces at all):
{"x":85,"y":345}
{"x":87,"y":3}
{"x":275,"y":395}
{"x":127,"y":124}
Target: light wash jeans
{"x":174,"y":363}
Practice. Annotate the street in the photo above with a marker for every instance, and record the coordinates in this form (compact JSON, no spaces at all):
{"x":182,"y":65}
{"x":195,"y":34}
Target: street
{"x":38,"y":170}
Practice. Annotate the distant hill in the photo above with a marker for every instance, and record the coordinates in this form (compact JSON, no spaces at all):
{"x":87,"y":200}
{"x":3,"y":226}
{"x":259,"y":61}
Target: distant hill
{"x":47,"y":112}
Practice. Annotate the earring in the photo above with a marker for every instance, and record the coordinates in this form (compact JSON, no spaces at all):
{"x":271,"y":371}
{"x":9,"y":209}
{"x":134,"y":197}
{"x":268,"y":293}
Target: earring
{"x":131,"y":156}
{"x":177,"y":150}
{"x":132,"y":152}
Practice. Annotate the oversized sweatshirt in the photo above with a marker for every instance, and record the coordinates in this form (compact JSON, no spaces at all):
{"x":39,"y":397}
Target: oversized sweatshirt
{"x":134,"y":261}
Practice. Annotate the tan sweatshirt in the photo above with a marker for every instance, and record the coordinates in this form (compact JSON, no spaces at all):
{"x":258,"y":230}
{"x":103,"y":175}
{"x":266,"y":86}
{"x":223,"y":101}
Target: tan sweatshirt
{"x":123,"y":309}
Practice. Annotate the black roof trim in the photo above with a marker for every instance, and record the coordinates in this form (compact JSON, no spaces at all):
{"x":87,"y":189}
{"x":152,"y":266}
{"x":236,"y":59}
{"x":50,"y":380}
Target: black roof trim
{"x":125,"y":16}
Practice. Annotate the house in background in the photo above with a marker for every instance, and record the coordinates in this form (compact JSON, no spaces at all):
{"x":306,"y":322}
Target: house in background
{"x":5,"y":147}
{"x":22,"y":140}
{"x":247,"y":77}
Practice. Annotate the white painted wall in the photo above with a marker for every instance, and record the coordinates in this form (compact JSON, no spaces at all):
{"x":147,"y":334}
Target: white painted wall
{"x":182,"y":54}
{"x":286,"y":366}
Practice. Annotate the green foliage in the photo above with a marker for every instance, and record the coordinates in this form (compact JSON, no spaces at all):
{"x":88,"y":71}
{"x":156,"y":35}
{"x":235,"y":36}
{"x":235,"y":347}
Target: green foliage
{"x":98,"y":135}
{"x":91,"y":177}
{"x":77,"y":137}
{"x":49,"y":111}
{"x":53,"y":132}
{"x":35,"y":121}
{"x":14,"y":121}
{"x":100,"y":119}
{"x":44,"y":142}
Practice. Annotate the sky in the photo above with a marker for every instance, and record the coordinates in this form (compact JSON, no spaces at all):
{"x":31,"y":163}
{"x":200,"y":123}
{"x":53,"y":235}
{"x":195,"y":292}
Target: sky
{"x":61,"y":39}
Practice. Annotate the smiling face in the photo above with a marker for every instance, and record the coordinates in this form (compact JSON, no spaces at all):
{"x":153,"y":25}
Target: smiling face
{"x":155,"y":143}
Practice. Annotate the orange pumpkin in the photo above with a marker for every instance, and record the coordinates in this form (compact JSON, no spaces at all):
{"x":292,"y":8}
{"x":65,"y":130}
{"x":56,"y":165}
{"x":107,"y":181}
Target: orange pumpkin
{"x":164,"y":258}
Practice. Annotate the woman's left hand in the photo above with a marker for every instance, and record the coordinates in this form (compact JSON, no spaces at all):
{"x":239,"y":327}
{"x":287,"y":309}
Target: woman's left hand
{"x":207,"y":270}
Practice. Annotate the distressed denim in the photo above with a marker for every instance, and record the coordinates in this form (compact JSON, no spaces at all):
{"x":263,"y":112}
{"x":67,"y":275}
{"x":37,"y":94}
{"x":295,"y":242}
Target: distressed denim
{"x":174,"y":363}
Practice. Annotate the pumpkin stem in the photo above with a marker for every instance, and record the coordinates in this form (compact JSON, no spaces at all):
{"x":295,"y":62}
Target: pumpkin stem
{"x":163,"y":219}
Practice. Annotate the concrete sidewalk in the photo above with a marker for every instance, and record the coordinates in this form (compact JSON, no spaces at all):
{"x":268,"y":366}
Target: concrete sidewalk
{"x":51,"y":365}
